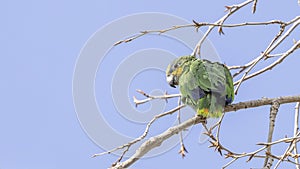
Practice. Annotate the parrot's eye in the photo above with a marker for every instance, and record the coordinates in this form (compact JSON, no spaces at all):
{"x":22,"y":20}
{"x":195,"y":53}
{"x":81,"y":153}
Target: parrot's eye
{"x":176,"y":66}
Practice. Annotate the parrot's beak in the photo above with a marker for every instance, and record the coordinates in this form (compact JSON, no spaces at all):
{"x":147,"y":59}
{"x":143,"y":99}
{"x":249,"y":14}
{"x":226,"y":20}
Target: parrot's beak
{"x":172,"y":85}
{"x":170,"y":80}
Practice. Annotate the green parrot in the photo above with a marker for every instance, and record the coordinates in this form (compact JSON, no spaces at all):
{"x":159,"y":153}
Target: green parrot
{"x":205,"y":86}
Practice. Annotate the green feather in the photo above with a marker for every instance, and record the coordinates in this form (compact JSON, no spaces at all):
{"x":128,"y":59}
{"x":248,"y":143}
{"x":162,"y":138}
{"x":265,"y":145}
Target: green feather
{"x":205,"y":86}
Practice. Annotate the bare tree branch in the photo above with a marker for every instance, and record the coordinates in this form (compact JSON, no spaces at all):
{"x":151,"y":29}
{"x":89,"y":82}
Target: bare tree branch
{"x":285,"y":155}
{"x":285,"y":140}
{"x":166,"y":96}
{"x":182,"y":149}
{"x":286,"y":29}
{"x":128,"y":145}
{"x":273,"y":45}
{"x":273,"y":113}
{"x":261,"y":102}
{"x":287,"y":53}
{"x":231,"y":10}
{"x":157,"y":140}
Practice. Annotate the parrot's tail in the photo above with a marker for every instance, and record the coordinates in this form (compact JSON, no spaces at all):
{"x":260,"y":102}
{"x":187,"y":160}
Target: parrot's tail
{"x":212,"y":106}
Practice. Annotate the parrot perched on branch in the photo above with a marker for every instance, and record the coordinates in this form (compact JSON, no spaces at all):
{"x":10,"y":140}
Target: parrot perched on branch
{"x":205,"y":86}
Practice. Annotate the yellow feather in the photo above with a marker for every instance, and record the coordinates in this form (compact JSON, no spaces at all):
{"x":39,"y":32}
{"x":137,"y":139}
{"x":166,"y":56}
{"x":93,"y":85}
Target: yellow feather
{"x":203,"y":112}
{"x":177,"y":72}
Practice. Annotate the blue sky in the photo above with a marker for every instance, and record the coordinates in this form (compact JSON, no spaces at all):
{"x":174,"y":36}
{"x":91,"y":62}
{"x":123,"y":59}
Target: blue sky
{"x":41,"y":42}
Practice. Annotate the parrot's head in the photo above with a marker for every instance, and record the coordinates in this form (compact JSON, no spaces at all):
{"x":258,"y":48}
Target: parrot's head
{"x":176,"y":68}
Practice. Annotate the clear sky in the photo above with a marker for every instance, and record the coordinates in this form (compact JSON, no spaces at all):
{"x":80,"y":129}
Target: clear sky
{"x":42,"y":40}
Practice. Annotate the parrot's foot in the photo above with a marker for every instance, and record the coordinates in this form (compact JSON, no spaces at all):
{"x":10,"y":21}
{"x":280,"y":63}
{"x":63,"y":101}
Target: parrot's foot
{"x":204,"y":119}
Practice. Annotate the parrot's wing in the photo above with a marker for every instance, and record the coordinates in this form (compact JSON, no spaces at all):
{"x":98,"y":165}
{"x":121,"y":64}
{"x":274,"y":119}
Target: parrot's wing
{"x":229,"y":89}
{"x":210,"y":76}
{"x":213,"y":77}
{"x":190,"y":89}
{"x":204,"y":77}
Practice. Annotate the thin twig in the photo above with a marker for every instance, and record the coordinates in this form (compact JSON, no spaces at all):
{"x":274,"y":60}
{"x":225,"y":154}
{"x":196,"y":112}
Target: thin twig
{"x":197,"y":25}
{"x":145,"y":132}
{"x":265,"y":53}
{"x":219,"y":126}
{"x":269,"y":49}
{"x":215,"y":143}
{"x":279,"y":60}
{"x":231,"y":10}
{"x":286,"y":153}
{"x":256,"y":60}
{"x":283,"y":140}
{"x":296,"y":129}
{"x":182,"y":149}
{"x":166,"y":96}
{"x":143,"y":33}
{"x":274,"y":55}
{"x":229,"y":163}
{"x":121,"y":157}
{"x":254,"y":6}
